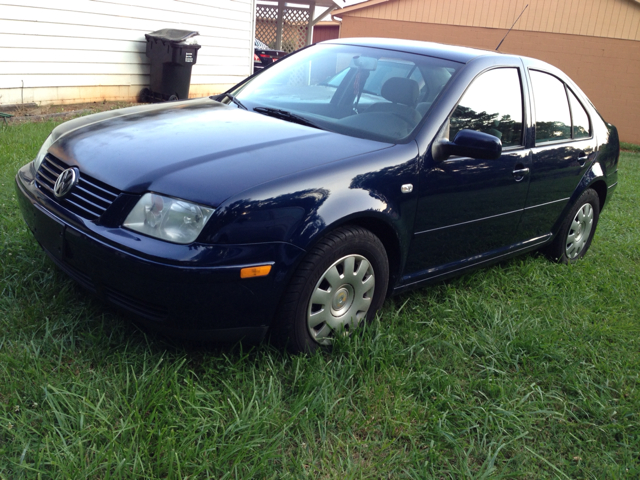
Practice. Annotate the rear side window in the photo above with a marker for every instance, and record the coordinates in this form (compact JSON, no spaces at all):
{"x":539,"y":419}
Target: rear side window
{"x":581,"y":125}
{"x":559,"y":114}
{"x":493,"y":105}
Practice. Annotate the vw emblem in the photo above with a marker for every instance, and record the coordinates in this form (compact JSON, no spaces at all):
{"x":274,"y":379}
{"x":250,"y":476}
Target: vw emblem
{"x":65,"y":182}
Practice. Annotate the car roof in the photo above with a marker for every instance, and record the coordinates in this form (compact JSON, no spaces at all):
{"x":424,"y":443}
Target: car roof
{"x":439,"y":50}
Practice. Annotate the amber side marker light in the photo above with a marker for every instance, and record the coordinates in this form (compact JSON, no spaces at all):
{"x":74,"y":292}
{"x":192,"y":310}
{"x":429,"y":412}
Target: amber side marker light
{"x":251,"y":272}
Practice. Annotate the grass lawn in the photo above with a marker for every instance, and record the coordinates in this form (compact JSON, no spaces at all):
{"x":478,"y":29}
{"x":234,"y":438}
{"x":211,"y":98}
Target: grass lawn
{"x":526,"y":369}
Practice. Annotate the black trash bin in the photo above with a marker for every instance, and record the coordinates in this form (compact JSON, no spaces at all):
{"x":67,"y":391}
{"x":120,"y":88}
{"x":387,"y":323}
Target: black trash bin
{"x":171,"y":62}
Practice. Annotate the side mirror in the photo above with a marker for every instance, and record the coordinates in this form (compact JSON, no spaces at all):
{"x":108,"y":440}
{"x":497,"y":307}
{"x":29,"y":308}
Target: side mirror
{"x":469,"y":143}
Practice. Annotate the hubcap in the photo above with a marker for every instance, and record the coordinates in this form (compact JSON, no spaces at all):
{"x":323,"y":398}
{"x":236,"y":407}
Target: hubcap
{"x":341,"y":298}
{"x":579,"y":231}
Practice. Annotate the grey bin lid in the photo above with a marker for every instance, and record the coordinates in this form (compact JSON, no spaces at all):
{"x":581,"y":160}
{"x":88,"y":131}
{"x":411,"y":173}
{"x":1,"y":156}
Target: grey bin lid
{"x":171,"y":35}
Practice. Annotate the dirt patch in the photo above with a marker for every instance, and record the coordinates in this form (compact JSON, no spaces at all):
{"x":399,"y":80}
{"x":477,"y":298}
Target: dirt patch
{"x":34,"y":113}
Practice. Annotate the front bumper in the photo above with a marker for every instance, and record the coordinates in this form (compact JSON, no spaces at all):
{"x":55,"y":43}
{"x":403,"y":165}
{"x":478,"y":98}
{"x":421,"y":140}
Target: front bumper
{"x":189,"y":291}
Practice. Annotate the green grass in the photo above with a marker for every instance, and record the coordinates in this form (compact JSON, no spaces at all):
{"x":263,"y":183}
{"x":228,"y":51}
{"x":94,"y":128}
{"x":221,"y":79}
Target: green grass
{"x":526,"y":369}
{"x":630,"y":147}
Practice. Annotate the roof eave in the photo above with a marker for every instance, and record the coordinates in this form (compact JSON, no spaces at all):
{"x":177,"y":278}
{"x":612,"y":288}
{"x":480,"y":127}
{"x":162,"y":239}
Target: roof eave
{"x":359,"y":6}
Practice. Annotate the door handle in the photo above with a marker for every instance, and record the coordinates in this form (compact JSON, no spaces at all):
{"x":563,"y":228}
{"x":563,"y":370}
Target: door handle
{"x":582,"y":159}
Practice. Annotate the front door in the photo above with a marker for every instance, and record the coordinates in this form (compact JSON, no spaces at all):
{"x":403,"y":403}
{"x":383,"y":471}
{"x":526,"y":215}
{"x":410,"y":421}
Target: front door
{"x":469,"y":208}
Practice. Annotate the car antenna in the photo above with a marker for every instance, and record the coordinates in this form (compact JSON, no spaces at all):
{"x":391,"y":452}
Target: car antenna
{"x":514,"y":24}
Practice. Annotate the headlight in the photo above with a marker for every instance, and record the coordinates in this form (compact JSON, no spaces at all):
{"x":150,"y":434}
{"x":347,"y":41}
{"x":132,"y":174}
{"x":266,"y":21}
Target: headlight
{"x":43,"y":151}
{"x":168,"y":218}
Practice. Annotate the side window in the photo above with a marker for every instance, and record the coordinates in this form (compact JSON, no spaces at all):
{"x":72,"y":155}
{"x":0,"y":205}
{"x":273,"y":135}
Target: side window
{"x":553,"y":118}
{"x":581,"y":125}
{"x":493,"y":105}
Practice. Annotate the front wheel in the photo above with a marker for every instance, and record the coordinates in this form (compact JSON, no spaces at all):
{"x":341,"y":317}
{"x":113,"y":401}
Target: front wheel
{"x":341,"y":282}
{"x":577,"y":230}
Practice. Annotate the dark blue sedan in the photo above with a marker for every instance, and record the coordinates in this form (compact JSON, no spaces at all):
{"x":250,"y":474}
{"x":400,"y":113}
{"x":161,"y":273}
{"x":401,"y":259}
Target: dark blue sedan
{"x":298,"y":200}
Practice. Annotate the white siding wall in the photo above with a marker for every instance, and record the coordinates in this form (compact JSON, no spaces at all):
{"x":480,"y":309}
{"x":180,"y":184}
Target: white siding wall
{"x":65,"y":51}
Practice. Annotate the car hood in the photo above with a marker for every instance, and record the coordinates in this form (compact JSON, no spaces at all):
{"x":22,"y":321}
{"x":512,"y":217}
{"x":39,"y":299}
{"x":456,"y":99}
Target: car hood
{"x":200,"y":150}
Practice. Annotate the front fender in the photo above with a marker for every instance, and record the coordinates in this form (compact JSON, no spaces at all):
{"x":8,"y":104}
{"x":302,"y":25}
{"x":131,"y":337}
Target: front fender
{"x":301,"y":208}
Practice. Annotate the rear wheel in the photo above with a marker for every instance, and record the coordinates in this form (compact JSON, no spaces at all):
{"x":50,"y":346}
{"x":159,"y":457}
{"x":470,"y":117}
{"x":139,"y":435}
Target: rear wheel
{"x":577,"y":230}
{"x":341,"y":282}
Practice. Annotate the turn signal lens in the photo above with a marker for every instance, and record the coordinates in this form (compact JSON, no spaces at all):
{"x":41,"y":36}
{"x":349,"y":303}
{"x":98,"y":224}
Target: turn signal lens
{"x":251,"y":272}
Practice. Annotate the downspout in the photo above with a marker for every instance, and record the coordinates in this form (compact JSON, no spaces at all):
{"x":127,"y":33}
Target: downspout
{"x":279,"y":25}
{"x":253,"y":41}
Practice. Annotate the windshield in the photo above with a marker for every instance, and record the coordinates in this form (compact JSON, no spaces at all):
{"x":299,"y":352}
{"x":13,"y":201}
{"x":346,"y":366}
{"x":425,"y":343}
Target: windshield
{"x":359,"y":91}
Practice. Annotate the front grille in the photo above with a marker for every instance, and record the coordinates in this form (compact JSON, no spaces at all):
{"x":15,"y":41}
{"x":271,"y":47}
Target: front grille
{"x":89,"y":199}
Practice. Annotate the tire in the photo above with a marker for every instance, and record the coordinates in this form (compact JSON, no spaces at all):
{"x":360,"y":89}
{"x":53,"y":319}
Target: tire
{"x":577,"y":230}
{"x":173,"y":98}
{"x":340,"y":283}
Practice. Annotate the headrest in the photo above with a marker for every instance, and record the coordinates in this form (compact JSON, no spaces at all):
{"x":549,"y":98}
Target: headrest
{"x":401,"y":90}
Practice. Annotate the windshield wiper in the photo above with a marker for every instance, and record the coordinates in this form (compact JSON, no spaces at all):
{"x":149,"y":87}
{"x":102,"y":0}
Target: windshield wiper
{"x":234,"y":100}
{"x":285,"y":115}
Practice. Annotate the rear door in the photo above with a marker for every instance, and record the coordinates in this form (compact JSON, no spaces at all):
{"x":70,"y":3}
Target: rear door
{"x":564,"y":148}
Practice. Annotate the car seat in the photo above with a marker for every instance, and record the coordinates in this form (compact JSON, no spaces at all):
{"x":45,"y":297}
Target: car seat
{"x":402,"y":93}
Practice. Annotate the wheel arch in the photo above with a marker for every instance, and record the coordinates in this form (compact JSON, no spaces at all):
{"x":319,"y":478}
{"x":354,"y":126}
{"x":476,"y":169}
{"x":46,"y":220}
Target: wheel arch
{"x":332,"y":246}
{"x":600,"y":187}
{"x":390,"y":241}
{"x":592,"y":179}
{"x":382,"y":229}
{"x":563,"y":245}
